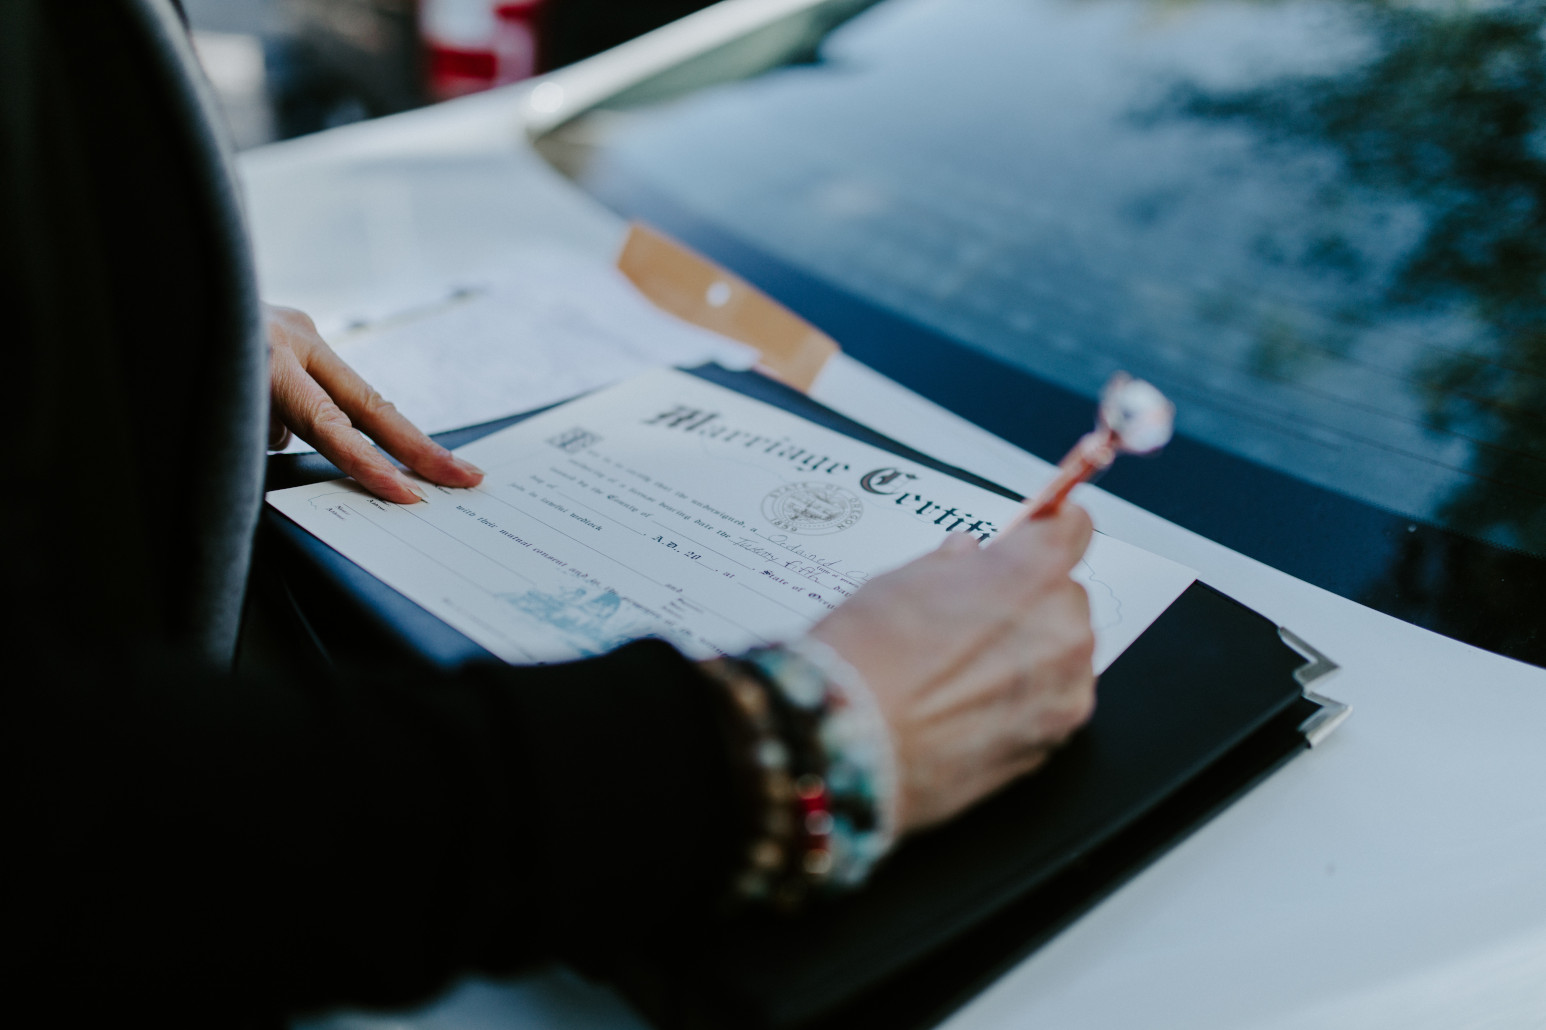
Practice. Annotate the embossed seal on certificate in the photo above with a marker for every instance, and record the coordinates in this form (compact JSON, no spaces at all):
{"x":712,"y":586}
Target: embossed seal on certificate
{"x":812,"y":509}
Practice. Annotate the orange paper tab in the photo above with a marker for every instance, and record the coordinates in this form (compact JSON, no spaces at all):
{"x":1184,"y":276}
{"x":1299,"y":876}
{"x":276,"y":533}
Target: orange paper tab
{"x":699,"y":291}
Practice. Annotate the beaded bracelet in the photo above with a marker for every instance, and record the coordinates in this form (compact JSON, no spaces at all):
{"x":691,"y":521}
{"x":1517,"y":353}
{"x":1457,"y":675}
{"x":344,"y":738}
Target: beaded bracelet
{"x":823,"y":766}
{"x":850,"y":786}
{"x":772,"y":850}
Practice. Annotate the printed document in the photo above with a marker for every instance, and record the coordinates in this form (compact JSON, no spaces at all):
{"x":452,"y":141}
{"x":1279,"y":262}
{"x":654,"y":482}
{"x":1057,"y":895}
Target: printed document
{"x":670,"y":506}
{"x":539,"y":327}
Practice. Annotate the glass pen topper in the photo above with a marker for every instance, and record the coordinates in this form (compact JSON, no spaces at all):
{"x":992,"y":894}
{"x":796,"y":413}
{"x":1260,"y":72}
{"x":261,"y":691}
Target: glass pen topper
{"x":1133,"y":418}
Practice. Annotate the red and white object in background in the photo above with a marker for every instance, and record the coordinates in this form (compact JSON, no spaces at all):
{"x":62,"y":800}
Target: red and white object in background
{"x":472,"y":45}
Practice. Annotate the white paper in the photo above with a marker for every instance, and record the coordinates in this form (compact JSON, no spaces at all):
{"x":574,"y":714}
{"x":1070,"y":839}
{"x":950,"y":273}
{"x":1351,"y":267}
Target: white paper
{"x":540,"y":328}
{"x":667,"y":505}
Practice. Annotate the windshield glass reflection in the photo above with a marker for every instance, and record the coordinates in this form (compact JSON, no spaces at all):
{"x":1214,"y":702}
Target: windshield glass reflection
{"x":1448,"y":115}
{"x":1319,"y":226}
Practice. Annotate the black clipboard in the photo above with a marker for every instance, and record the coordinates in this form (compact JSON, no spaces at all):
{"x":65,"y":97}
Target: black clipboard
{"x":1209,"y":700}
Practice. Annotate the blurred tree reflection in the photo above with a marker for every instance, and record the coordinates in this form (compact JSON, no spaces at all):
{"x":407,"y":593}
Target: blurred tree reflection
{"x":1448,"y":112}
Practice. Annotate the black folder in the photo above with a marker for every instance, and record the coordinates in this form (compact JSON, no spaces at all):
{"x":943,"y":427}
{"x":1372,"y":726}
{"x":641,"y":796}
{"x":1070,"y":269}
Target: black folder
{"x":1210,"y":699}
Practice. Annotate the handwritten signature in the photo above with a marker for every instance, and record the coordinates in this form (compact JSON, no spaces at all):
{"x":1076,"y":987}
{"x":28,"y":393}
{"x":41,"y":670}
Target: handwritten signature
{"x":800,"y":562}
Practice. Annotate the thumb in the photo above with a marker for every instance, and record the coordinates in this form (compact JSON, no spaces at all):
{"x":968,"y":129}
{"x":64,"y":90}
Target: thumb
{"x":959,"y":543}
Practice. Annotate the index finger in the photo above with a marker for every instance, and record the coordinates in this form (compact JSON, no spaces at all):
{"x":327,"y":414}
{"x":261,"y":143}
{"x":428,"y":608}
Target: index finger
{"x":375,"y":415}
{"x":1050,"y":544}
{"x":307,"y":409}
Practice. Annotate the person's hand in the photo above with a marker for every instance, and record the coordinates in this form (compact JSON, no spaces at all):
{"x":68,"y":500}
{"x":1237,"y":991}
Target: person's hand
{"x":979,"y":658}
{"x":325,"y":402}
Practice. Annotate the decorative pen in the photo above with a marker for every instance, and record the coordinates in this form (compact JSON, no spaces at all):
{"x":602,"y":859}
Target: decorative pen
{"x":1133,"y":418}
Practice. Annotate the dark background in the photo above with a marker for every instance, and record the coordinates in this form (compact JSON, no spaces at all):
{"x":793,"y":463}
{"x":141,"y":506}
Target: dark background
{"x":284,"y":68}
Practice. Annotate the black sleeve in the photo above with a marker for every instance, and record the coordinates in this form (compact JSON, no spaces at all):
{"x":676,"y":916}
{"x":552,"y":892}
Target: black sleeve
{"x":189,"y":843}
{"x":203,"y":848}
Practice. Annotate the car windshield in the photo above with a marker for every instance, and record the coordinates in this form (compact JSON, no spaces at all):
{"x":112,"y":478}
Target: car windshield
{"x":1319,"y":226}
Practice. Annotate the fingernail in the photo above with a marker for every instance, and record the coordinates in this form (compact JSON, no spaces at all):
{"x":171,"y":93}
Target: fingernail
{"x":467,"y":466}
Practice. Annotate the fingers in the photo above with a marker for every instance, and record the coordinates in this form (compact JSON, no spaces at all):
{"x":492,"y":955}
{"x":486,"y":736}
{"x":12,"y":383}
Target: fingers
{"x":299,"y":402}
{"x":1034,"y":680}
{"x":326,"y":403}
{"x":1058,"y":642}
{"x":959,"y":543}
{"x":1067,"y":530}
{"x":1047,"y":547}
{"x":1021,"y":690}
{"x":278,"y":433}
{"x":978,"y":671}
{"x":376,"y":415}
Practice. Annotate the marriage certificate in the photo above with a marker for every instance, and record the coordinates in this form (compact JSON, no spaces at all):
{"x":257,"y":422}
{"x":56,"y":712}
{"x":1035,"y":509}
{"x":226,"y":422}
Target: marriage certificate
{"x":673,"y":507}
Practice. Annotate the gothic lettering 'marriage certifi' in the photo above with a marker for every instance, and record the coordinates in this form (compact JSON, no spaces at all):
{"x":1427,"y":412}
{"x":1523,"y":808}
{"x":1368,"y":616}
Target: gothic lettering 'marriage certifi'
{"x":669,"y":506}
